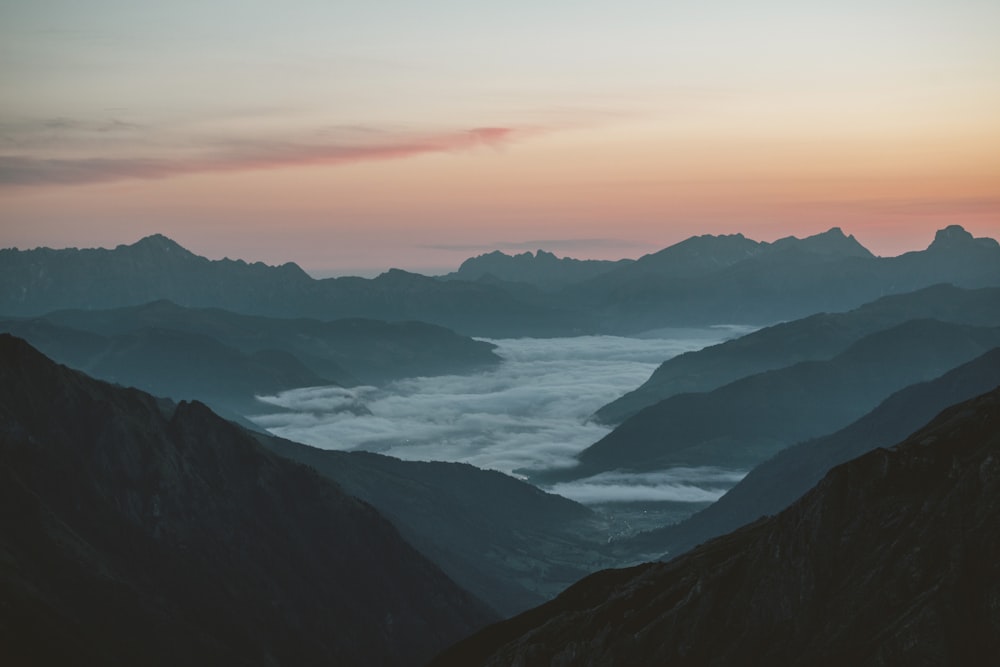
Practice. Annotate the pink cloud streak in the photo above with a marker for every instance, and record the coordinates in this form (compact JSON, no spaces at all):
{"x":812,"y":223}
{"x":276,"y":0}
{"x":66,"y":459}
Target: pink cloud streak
{"x":20,"y":170}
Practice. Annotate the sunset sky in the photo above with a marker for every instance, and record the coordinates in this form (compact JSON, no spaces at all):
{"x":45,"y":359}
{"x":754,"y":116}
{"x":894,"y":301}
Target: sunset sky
{"x":354,"y":136}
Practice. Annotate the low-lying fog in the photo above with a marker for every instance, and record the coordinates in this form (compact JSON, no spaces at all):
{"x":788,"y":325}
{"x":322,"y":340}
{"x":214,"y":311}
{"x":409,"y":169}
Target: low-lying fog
{"x":528,"y":414}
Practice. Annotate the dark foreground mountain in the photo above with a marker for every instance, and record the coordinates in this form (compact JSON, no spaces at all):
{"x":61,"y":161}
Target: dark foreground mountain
{"x":778,"y":482}
{"x":818,"y":337}
{"x":509,"y":543}
{"x":137,"y":531}
{"x":748,"y":421}
{"x":892,"y":559}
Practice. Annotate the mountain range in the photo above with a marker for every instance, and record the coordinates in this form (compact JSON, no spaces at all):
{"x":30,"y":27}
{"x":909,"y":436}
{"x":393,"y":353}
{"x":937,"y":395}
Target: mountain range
{"x":703,"y":280}
{"x":778,"y":482}
{"x":745,"y":422}
{"x":226,"y":359}
{"x":542,"y":269}
{"x":893,"y":558}
{"x":817,"y":337}
{"x":139,"y":531}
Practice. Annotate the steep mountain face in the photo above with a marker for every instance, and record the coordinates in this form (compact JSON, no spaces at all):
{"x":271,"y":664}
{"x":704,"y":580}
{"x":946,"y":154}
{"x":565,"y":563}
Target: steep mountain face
{"x":509,"y":543}
{"x":541,"y":269}
{"x":893,"y":558}
{"x":748,"y":421}
{"x":137,"y":531}
{"x":778,"y":482}
{"x":818,"y":337}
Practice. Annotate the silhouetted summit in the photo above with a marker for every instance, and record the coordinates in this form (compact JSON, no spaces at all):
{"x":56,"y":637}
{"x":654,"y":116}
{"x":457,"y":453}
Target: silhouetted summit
{"x":956,"y":238}
{"x":702,"y":280}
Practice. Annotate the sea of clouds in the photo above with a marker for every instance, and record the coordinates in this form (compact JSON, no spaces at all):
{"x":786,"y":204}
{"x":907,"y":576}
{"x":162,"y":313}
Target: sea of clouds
{"x":530,"y":413}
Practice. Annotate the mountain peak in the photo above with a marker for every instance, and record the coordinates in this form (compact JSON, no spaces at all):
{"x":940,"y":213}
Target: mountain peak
{"x":832,"y":242}
{"x":956,"y":238}
{"x":158,"y":243}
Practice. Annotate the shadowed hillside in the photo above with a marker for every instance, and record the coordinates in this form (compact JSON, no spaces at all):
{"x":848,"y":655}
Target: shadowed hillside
{"x":137,"y":531}
{"x":893,"y":558}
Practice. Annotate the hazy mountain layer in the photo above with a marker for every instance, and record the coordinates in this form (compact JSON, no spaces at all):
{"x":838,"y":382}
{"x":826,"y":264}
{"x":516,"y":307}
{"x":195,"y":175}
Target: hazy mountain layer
{"x":541,"y":269}
{"x":730,"y":279}
{"x":172,"y":364}
{"x":778,"y":482}
{"x":350,"y":351}
{"x":136,"y":531}
{"x":701,"y":281}
{"x":34,"y":282}
{"x":818,"y":337}
{"x":893,"y":558}
{"x":504,"y":540}
{"x":748,"y":421}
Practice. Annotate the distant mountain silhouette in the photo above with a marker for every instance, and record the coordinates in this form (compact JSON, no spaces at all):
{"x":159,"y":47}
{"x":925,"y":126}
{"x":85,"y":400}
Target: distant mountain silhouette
{"x":702,"y":280}
{"x":541,"y":269}
{"x":731,"y":279}
{"x":138,"y":531}
{"x":778,"y":482}
{"x":349,"y":351}
{"x":818,"y":337}
{"x":892,"y":559}
{"x":34,"y":282}
{"x":747,"y":421}
{"x":509,"y":543}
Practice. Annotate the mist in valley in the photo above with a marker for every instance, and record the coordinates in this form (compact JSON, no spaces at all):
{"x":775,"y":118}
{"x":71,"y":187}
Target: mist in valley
{"x":530,"y":414}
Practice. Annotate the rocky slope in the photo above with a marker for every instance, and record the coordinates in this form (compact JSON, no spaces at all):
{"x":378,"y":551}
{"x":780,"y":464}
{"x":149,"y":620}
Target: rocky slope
{"x":893,"y":558}
{"x":138,"y":531}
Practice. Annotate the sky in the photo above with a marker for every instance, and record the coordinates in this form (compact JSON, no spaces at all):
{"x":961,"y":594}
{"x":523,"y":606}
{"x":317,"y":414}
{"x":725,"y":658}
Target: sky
{"x":354,"y":136}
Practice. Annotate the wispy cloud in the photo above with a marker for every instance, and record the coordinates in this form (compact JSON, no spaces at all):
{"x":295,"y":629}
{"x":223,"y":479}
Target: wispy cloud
{"x":26,"y":170}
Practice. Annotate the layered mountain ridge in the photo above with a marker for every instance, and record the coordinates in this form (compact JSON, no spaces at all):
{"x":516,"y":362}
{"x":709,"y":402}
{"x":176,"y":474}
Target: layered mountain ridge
{"x":702,"y":280}
{"x":893,"y":558}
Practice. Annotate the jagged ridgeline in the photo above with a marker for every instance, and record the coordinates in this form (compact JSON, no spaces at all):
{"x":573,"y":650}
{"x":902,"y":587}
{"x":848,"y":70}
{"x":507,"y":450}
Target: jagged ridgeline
{"x":703,"y":280}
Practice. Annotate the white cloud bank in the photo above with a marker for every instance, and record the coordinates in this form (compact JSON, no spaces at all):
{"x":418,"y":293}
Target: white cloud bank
{"x":528,"y":414}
